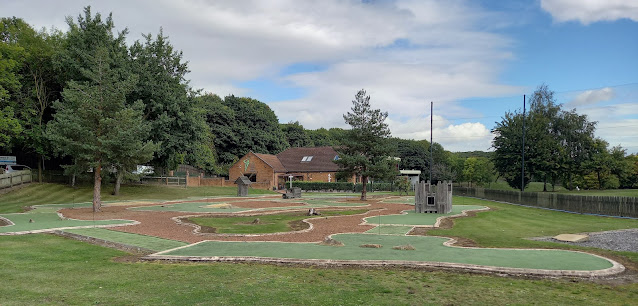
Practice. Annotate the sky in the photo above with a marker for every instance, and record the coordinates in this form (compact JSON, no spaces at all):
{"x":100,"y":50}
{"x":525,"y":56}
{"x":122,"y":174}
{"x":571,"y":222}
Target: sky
{"x":474,"y":60}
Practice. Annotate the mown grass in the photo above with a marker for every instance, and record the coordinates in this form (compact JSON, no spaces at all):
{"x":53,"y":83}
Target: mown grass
{"x":277,"y":223}
{"x":611,"y":192}
{"x":538,"y":187}
{"x":508,"y":226}
{"x":44,"y":269}
{"x":46,"y":193}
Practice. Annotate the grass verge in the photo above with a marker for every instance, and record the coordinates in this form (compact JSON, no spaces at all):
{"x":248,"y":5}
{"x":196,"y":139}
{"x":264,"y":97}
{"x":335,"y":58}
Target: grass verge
{"x":46,"y":193}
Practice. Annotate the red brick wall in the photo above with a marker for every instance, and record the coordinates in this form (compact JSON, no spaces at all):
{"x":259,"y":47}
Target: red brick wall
{"x":265,"y":173}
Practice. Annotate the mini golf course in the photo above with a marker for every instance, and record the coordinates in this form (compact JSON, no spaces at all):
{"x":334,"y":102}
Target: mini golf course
{"x":154,"y":226}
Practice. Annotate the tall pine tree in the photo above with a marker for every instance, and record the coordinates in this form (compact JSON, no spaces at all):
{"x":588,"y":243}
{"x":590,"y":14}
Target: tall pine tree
{"x":366,"y":151}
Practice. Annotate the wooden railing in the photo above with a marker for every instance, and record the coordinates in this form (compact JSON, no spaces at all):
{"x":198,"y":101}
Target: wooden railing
{"x":11,"y":179}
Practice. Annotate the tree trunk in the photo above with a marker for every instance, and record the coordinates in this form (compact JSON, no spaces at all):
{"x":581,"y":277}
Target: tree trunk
{"x":600,"y":184}
{"x":364,"y":184}
{"x":97,"y":188}
{"x":40,"y":171}
{"x":545,"y":183}
{"x":118,"y":182}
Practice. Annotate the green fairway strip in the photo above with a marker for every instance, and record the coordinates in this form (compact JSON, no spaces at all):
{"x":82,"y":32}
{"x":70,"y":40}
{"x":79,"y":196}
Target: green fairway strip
{"x":48,"y":220}
{"x":192,"y":207}
{"x":142,"y":241}
{"x":390,"y":230}
{"x":429,"y":249}
{"x":412,"y":218}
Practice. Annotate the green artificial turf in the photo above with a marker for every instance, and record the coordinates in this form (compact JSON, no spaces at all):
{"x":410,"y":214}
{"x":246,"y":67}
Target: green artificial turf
{"x":47,"y":221}
{"x":412,"y":218}
{"x":192,"y":207}
{"x":427,"y":249}
{"x":390,"y":230}
{"x":45,"y":269}
{"x":142,"y":241}
{"x":267,"y":223}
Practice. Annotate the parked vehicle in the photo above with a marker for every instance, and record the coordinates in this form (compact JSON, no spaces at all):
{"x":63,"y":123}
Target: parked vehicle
{"x":14,"y":168}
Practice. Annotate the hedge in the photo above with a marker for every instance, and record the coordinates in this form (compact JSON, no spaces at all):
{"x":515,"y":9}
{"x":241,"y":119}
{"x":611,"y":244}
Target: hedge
{"x":341,"y":186}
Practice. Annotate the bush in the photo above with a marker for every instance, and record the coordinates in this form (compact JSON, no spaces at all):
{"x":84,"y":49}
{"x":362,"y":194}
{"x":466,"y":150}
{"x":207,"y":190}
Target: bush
{"x":337,"y":186}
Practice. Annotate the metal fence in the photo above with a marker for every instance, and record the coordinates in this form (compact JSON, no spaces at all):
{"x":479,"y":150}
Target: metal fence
{"x":600,"y":205}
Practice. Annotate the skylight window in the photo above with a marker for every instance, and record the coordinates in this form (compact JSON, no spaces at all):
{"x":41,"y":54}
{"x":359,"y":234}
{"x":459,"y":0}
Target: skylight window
{"x":336,"y":157}
{"x":306,"y":158}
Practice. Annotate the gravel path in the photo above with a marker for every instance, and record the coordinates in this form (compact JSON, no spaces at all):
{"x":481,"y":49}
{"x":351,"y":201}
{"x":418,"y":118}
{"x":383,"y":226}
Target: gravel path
{"x":620,"y":240}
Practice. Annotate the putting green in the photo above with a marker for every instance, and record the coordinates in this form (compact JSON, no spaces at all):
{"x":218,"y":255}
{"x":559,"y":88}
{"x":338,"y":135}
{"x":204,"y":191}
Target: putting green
{"x":192,"y":207}
{"x":142,"y":241}
{"x":412,"y":218}
{"x":390,"y":230}
{"x":428,"y":249}
{"x":43,"y":221}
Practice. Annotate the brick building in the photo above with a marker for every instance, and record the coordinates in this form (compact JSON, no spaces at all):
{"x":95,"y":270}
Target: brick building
{"x":303,"y":164}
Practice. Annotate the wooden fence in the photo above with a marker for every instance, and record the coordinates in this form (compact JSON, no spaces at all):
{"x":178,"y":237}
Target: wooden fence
{"x":9,"y":180}
{"x":602,"y":205}
{"x":164,"y":180}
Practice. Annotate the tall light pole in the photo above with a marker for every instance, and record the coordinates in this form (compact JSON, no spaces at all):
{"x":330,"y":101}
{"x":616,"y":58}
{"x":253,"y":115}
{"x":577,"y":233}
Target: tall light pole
{"x":523,"y":151}
{"x":431,"y":143}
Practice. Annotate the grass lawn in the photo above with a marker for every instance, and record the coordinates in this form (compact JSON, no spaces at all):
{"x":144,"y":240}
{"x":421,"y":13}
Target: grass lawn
{"x":284,"y":222}
{"x":48,"y":220}
{"x":44,"y":269}
{"x":507,"y":226}
{"x":46,"y":193}
{"x":612,"y":192}
{"x":538,"y":187}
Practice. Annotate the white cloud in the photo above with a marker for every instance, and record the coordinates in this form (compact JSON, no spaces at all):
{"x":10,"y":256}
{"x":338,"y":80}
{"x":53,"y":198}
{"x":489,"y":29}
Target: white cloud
{"x":617,"y":124}
{"x":447,"y":54}
{"x":590,"y":97}
{"x":590,"y":11}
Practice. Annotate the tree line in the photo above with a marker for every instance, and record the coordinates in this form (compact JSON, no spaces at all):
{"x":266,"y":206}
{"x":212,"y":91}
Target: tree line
{"x":559,"y":148}
{"x":88,"y":101}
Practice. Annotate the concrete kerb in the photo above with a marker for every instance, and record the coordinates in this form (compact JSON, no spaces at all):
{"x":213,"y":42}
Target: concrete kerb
{"x":425,"y":265}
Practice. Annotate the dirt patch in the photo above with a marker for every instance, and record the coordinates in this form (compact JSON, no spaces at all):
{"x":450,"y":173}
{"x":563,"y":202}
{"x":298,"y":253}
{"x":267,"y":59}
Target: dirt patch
{"x":4,"y":222}
{"x":298,"y":225}
{"x":407,"y":247}
{"x":371,"y":246}
{"x":128,"y":258}
{"x":331,"y":242}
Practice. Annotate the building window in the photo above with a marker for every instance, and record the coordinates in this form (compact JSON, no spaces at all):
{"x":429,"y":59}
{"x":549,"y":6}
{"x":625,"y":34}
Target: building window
{"x":306,"y":158}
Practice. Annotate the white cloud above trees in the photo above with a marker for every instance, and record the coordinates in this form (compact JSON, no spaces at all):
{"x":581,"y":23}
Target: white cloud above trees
{"x":590,"y":11}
